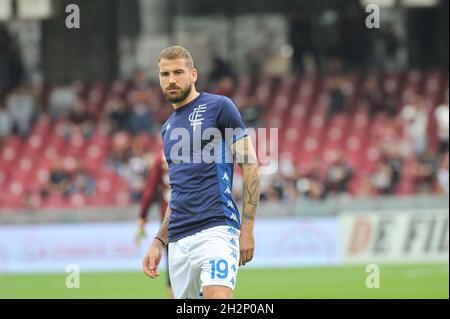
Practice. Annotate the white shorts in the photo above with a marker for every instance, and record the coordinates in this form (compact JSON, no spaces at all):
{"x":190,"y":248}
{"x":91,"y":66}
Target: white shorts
{"x":209,"y":257}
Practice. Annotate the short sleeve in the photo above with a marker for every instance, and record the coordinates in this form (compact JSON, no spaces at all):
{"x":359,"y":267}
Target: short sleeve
{"x":165,"y":127}
{"x":229,"y":120}
{"x":163,"y":131}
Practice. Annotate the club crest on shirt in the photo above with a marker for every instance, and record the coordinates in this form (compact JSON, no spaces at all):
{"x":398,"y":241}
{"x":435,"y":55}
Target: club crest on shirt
{"x":196,"y":117}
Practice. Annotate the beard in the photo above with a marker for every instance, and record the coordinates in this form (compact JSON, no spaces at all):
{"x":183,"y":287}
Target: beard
{"x":179,"y":96}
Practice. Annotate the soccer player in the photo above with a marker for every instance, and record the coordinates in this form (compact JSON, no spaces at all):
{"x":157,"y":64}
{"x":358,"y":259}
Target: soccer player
{"x":207,"y":237}
{"x":157,"y":183}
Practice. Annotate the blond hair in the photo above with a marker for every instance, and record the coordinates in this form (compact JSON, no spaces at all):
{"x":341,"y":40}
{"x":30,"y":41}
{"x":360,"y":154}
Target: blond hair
{"x":177,"y":52}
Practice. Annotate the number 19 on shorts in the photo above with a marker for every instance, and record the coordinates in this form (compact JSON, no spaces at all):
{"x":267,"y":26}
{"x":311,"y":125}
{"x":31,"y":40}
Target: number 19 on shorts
{"x":219,"y":268}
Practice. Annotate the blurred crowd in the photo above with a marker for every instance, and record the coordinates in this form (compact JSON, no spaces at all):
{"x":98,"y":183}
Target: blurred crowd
{"x":413,"y":159}
{"x":129,"y":114}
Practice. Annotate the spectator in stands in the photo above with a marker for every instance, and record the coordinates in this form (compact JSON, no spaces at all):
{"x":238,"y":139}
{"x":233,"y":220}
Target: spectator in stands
{"x":81,"y":182}
{"x":372,"y":93}
{"x":118,"y":114}
{"x":290,"y":191}
{"x":272,"y":194}
{"x":140,"y":119}
{"x":59,"y":180}
{"x":390,"y":106}
{"x":140,"y":81}
{"x":425,"y":171}
{"x":21,"y":105}
{"x":442,"y":175}
{"x":144,"y":92}
{"x":383,"y":179}
{"x":62,"y":99}
{"x":219,"y":70}
{"x":389,"y":169}
{"x":391,"y":140}
{"x":338,"y":175}
{"x":441,"y":115}
{"x":316,"y":170}
{"x":120,"y":153}
{"x":311,"y":183}
{"x":311,"y":189}
{"x":63,"y":129}
{"x":250,"y":111}
{"x":136,"y":170}
{"x":224,"y":87}
{"x":118,"y":88}
{"x":254,"y":59}
{"x":272,"y":190}
{"x":94,"y":101}
{"x":364,"y":188}
{"x":80,"y":119}
{"x":337,"y":101}
{"x":415,"y":121}
{"x":6,"y":122}
{"x":287,"y":169}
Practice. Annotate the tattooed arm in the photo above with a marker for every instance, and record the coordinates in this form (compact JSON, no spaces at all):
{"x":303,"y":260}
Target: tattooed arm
{"x":163,"y":232}
{"x":154,"y":254}
{"x":245,"y":156}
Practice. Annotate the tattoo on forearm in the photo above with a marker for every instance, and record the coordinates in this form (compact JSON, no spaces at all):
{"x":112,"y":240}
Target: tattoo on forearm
{"x":164,"y":229}
{"x":251,"y":192}
{"x":246,"y":158}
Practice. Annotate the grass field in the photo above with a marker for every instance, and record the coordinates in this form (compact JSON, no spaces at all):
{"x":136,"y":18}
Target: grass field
{"x":396,"y":281}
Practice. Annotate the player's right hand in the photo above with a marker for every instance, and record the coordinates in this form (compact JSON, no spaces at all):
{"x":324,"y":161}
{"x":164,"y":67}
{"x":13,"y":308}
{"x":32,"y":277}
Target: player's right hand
{"x":152,"y":259}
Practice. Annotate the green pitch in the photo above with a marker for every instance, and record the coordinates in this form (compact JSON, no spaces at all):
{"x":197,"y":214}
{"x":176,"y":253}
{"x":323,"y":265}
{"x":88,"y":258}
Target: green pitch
{"x":396,"y":281}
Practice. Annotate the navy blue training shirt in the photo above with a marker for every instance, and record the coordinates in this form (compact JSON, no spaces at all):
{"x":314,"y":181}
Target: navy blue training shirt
{"x":197,"y":142}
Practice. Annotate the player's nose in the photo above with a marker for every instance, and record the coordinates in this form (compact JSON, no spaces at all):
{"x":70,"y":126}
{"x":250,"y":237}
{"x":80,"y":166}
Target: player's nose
{"x":172,"y":79}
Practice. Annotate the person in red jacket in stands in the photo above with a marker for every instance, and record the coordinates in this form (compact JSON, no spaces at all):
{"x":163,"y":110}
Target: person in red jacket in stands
{"x":157,"y":184}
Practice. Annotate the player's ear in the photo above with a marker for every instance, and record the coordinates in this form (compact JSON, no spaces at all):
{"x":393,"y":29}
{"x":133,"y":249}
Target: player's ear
{"x":194,"y":75}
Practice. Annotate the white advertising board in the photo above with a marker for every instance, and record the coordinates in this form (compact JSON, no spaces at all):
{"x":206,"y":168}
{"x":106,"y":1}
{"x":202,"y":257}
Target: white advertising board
{"x":393,"y":236}
{"x":110,"y":246}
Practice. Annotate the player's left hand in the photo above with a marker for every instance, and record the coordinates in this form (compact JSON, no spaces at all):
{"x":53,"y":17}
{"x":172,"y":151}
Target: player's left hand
{"x":247,"y":246}
{"x":152,"y":259}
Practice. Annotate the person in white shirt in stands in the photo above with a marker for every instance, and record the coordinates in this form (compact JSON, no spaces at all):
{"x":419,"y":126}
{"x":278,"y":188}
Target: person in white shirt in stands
{"x":441,"y":114}
{"x":415,"y":122}
{"x":22,"y":107}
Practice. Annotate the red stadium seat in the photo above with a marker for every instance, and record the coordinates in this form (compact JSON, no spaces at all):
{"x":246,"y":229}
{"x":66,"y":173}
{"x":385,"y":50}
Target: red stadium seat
{"x":405,"y":187}
{"x":4,"y":180}
{"x":354,"y":150}
{"x":56,"y":201}
{"x":9,"y":154}
{"x":78,"y":200}
{"x":122,"y":198}
{"x":10,"y":201}
{"x":101,"y":200}
{"x":93,"y":165}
